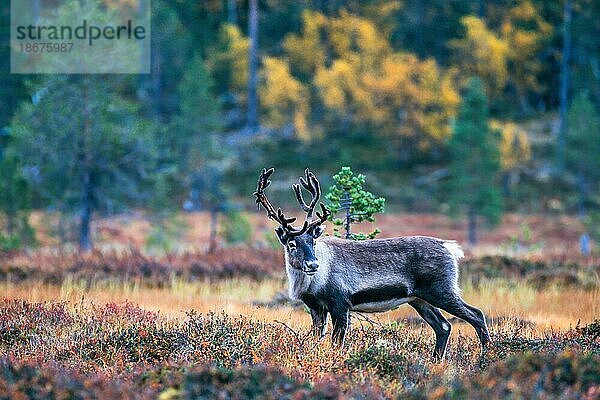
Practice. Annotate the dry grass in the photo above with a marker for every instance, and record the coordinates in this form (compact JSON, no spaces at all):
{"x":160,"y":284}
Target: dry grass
{"x":98,"y":344}
{"x":233,"y":296}
{"x":552,"y":308}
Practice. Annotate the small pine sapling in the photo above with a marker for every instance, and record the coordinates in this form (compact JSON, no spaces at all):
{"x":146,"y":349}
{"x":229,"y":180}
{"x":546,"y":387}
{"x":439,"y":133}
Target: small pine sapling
{"x":348,"y":195}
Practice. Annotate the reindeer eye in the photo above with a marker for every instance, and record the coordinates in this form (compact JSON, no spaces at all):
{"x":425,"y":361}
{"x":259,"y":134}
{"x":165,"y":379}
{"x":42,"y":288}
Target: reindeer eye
{"x":292,"y":245}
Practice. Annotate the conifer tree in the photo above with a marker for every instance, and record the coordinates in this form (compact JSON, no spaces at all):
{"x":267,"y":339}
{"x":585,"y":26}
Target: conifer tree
{"x":475,"y":164}
{"x":88,"y":154}
{"x":200,"y":153}
{"x":583,"y":147}
{"x":15,"y":201}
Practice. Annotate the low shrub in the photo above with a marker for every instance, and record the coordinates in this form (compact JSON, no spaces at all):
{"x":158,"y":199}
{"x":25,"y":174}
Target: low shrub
{"x":132,"y":265}
{"x":58,"y":350}
{"x":380,"y":360}
{"x":528,"y":375}
{"x":256,"y":264}
{"x":252,"y":383}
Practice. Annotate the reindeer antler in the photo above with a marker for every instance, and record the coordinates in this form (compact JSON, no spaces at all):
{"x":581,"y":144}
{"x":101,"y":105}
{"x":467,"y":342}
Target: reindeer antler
{"x":311,"y":184}
{"x":321,"y":217}
{"x":261,"y":199}
{"x":277,"y":216}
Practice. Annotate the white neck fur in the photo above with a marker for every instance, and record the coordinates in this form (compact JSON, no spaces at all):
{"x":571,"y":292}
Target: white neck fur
{"x":300,"y":283}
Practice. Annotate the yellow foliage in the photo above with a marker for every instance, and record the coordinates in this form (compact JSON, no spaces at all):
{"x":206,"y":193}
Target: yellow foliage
{"x":333,"y":84}
{"x":525,"y":32}
{"x":481,"y":53}
{"x":305,"y":52}
{"x":358,"y":39}
{"x":232,"y":57}
{"x":358,"y":76}
{"x":448,"y":94}
{"x":415,"y":96}
{"x":122,"y":5}
{"x":282,"y":95}
{"x":514,"y":145}
{"x":239,"y":46}
{"x":381,"y":12}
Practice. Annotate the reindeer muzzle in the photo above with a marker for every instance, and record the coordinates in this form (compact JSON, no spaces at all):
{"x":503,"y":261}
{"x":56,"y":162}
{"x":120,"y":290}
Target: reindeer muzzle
{"x":310,"y":267}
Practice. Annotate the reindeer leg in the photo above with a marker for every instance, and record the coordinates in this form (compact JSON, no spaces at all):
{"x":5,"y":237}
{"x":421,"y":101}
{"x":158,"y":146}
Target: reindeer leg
{"x":341,"y":322}
{"x":473,"y":315}
{"x":319,"y":321}
{"x":440,"y":326}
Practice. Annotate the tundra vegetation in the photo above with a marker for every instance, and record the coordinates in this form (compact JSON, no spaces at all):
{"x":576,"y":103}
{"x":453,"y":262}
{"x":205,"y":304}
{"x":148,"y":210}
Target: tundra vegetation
{"x":194,"y":324}
{"x":132,"y":267}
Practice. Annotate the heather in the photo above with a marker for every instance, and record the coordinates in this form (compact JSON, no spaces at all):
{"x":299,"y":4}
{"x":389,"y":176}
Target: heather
{"x":53,"y":350}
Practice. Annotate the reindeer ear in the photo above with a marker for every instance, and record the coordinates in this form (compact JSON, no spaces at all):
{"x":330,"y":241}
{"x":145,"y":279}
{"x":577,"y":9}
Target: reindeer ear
{"x":318,"y":230}
{"x":281,"y":235}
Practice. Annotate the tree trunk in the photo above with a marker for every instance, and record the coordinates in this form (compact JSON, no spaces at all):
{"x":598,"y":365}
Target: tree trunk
{"x":252,"y":117}
{"x":62,"y":231}
{"x":232,"y":17}
{"x":420,"y":17}
{"x":214,"y":224}
{"x":156,"y":80}
{"x":85,"y":239}
{"x":564,"y":86}
{"x":10,"y":223}
{"x":582,"y":189}
{"x":472,"y":226}
{"x":481,"y":9}
{"x":506,"y":179}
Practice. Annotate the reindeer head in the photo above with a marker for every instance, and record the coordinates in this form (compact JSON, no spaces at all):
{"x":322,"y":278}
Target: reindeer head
{"x":299,"y":243}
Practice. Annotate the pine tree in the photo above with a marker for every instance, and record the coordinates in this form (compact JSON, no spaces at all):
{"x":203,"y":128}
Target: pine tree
{"x":200,"y":153}
{"x":475,"y":164}
{"x":347,"y":195}
{"x":583,"y":147}
{"x":15,"y":201}
{"x":88,"y":154}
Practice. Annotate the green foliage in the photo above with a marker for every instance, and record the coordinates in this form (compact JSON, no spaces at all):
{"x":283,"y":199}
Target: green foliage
{"x":15,"y":202}
{"x":14,"y":189}
{"x":190,"y":142}
{"x":236,"y":228}
{"x":583,"y":139}
{"x":198,"y":155}
{"x":198,"y":109}
{"x":9,"y":243}
{"x":270,"y":240}
{"x":363,"y":207}
{"x":592,"y":224}
{"x":166,"y":235}
{"x":522,"y":243}
{"x":475,"y":163}
{"x":373,"y":84}
{"x":88,"y":154}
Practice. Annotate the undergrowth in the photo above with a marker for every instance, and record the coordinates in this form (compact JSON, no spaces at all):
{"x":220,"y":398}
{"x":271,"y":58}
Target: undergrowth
{"x":257,"y":264}
{"x":59,"y":350}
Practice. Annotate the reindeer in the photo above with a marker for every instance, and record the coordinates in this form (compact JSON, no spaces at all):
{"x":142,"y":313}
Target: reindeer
{"x":334,"y":276}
